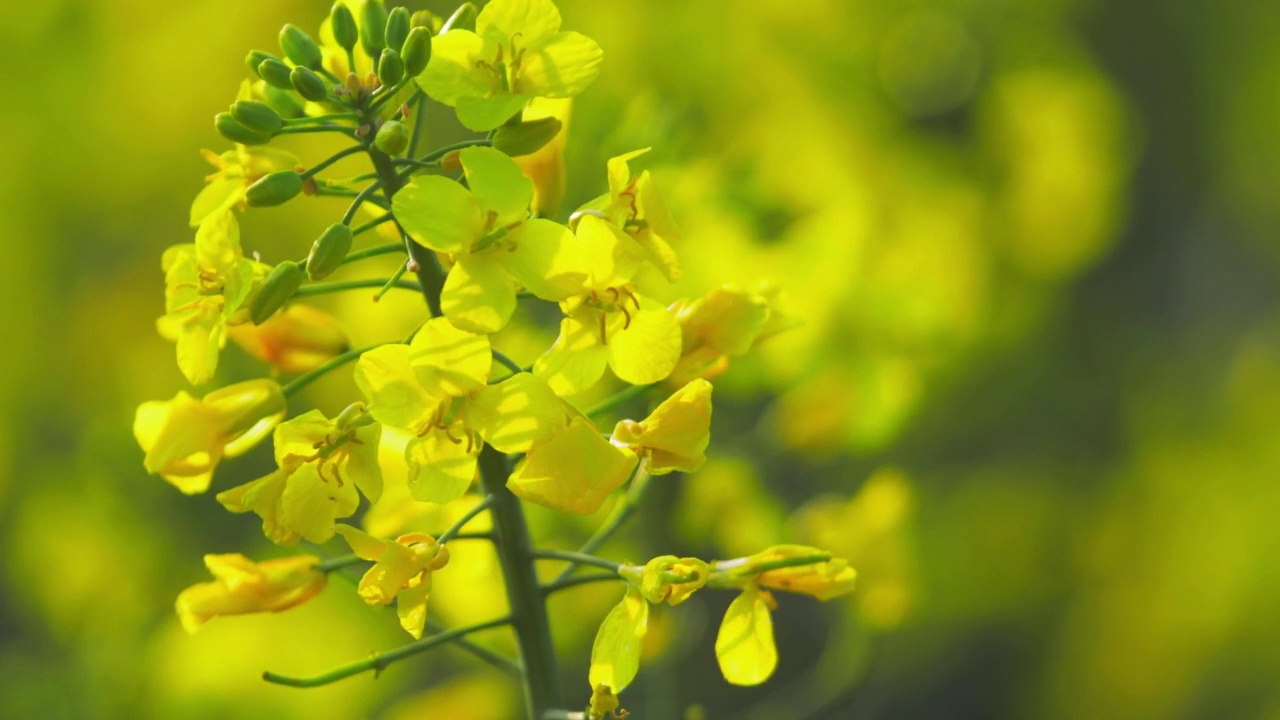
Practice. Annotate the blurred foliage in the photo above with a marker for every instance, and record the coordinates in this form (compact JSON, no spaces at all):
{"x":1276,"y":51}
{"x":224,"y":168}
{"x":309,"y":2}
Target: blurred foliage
{"x":1033,"y":401}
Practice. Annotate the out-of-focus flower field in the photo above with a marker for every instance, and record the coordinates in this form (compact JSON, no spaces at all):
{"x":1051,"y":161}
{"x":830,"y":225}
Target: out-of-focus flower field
{"x":1034,"y":397}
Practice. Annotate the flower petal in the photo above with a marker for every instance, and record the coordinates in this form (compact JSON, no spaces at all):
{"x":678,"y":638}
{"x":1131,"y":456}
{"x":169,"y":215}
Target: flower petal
{"x":441,"y":469}
{"x":562,"y":66}
{"x":451,"y":361}
{"x":497,"y":183}
{"x":478,"y":296}
{"x":615,"y":654}
{"x":577,"y":359}
{"x":744,"y":645}
{"x":646,"y":350}
{"x":453,"y":73}
{"x":439,"y":214}
{"x":516,"y":413}
{"x":574,"y":471}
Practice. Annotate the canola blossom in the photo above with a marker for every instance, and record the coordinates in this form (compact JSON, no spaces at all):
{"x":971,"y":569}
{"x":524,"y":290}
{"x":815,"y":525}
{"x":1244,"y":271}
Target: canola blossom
{"x":445,"y":416}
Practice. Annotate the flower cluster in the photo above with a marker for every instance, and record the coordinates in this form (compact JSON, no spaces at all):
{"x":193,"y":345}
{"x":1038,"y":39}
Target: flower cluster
{"x":480,"y":243}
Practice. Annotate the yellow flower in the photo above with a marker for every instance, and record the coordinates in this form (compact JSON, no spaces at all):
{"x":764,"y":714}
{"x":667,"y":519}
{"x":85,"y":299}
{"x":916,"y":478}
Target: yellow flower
{"x":672,"y":579}
{"x":675,"y":435}
{"x":236,"y":170}
{"x":724,"y":323}
{"x":517,"y":52}
{"x":243,"y":586}
{"x":634,"y":205}
{"x":402,"y":569}
{"x":793,"y":568}
{"x":322,"y":463}
{"x":607,"y":322}
{"x":207,"y":283}
{"x":297,"y":340}
{"x":185,"y":438}
{"x":574,"y":471}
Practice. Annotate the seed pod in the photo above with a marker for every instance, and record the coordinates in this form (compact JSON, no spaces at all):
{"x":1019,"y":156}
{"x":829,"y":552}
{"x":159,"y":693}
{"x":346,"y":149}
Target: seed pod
{"x":397,"y":28}
{"x":526,"y":137}
{"x":373,"y":27}
{"x":329,"y":250}
{"x":309,"y":85}
{"x":235,"y":131}
{"x":258,"y":117}
{"x":299,"y":47}
{"x":274,"y":189}
{"x":281,"y":283}
{"x":392,"y":137}
{"x":416,"y":51}
{"x":255,"y":58}
{"x":343,"y":24}
{"x":276,"y":73}
{"x":390,"y":67}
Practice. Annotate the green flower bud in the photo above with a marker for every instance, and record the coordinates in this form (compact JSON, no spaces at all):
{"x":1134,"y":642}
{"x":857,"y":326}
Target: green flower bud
{"x":373,"y":27}
{"x":392,"y":137}
{"x":255,"y":58}
{"x":259,"y":117}
{"x":235,"y":131}
{"x":276,"y":73}
{"x":274,"y":189}
{"x":390,"y":67}
{"x":426,"y":19}
{"x":281,"y":283}
{"x":343,"y":24}
{"x":329,"y":250}
{"x":397,"y":28}
{"x":299,"y":47}
{"x":523,"y":138}
{"x":309,"y":85}
{"x":416,"y":51}
{"x":284,"y":102}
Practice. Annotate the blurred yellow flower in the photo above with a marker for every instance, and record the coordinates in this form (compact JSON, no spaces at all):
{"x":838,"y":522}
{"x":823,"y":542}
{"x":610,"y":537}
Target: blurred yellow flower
{"x":236,"y":170}
{"x":724,"y":323}
{"x":243,"y":586}
{"x":185,"y":438}
{"x":635,"y":206}
{"x":402,"y":569}
{"x":296,"y":340}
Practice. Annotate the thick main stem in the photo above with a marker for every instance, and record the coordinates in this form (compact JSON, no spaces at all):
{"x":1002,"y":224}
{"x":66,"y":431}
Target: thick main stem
{"x":528,"y":605}
{"x":510,"y":532}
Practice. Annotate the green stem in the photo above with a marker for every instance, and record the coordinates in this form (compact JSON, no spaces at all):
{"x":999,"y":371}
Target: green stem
{"x":579,"y":558}
{"x":439,"y":153}
{"x":528,"y":607}
{"x":453,"y":531}
{"x":307,"y":378}
{"x":624,"y":396}
{"x":359,"y":200}
{"x":559,"y":714}
{"x":380,"y":661}
{"x":313,"y":119}
{"x":430,"y":273}
{"x":338,"y":563}
{"x":305,"y":129}
{"x":331,"y":160}
{"x":622,"y":512}
{"x":332,"y":287}
{"x":576,"y":581}
{"x":394,"y":281}
{"x":508,"y":363}
{"x":388,"y":249}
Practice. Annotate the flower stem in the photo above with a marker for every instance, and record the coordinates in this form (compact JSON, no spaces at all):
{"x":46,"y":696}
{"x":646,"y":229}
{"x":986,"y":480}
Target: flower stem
{"x":331,"y":287}
{"x":579,"y":558}
{"x":614,"y":401}
{"x":388,"y":249}
{"x":622,"y":512}
{"x":528,"y":606}
{"x":380,"y":661}
{"x":306,"y":379}
{"x":452,"y":532}
{"x":338,"y":563}
{"x":576,"y":581}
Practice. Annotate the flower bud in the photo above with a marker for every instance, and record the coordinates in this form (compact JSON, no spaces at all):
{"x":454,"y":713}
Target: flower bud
{"x":284,"y":102}
{"x":343,"y":24}
{"x":299,"y":47}
{"x":523,"y":138}
{"x":309,"y":85}
{"x":274,"y":189}
{"x":416,"y":51}
{"x":276,"y":73}
{"x":235,"y":131}
{"x":256,"y":58}
{"x":392,"y":137}
{"x":390,"y":67}
{"x":281,"y":283}
{"x":258,"y":117}
{"x":329,"y":250}
{"x":242,"y":586}
{"x":397,"y":28}
{"x":373,"y":27}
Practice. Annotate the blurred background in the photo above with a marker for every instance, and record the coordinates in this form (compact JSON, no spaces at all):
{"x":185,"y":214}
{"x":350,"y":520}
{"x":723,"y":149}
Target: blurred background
{"x":1034,"y":247}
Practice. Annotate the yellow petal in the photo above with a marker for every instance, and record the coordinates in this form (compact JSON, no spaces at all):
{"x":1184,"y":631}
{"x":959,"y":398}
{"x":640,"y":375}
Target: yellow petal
{"x":439,"y":214}
{"x":451,"y":361}
{"x":478,"y":296}
{"x":362,"y":543}
{"x":311,"y":502}
{"x":744,"y":645}
{"x":615,"y":654}
{"x":676,"y":434}
{"x":577,"y":359}
{"x":441,"y":467}
{"x":562,"y":66}
{"x":532,"y":20}
{"x":517,"y":413}
{"x":396,"y":395}
{"x":647,"y":349}
{"x":411,"y":607}
{"x":574,"y":471}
